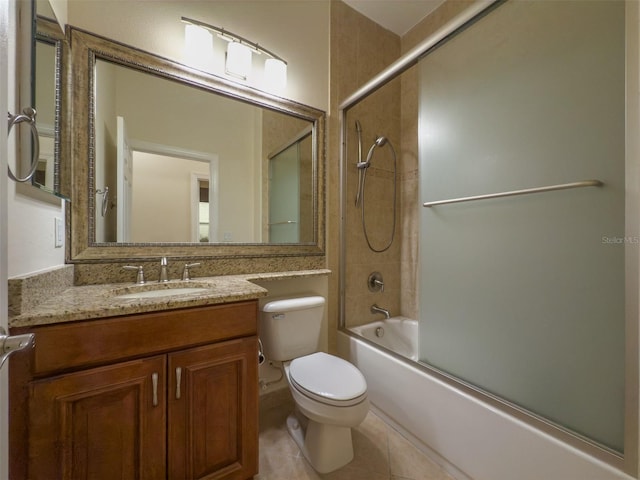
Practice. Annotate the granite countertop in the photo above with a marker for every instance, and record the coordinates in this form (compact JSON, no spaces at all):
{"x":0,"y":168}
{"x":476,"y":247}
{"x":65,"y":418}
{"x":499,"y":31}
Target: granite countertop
{"x":100,"y":301}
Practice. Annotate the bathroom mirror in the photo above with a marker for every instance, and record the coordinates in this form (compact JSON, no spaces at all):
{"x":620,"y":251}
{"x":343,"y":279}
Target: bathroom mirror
{"x":47,"y":100}
{"x":40,"y":46}
{"x":169,"y":160}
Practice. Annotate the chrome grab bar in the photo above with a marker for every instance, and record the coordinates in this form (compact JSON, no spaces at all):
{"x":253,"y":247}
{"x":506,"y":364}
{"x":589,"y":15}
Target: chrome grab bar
{"x":28,"y":115}
{"x":550,"y":188}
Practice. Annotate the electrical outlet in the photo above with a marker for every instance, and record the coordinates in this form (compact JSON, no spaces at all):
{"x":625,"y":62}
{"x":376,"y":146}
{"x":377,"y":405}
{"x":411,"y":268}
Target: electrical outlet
{"x":227,"y":236}
{"x":59,"y":233}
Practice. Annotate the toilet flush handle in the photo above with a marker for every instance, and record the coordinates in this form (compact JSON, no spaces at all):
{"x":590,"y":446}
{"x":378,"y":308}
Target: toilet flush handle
{"x":261,"y":357}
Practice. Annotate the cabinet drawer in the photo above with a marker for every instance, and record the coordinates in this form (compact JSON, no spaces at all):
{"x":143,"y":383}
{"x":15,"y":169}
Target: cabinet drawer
{"x":95,"y":342}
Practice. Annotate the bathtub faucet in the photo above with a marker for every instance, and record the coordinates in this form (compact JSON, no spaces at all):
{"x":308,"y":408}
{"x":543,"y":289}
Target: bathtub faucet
{"x":376,"y":309}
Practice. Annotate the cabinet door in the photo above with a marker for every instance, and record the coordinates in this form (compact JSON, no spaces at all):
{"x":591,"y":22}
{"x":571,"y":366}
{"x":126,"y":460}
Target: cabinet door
{"x":103,"y":423}
{"x":213,"y":411}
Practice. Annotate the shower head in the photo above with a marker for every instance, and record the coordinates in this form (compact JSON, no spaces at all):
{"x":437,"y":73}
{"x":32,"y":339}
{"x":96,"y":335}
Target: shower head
{"x":380,"y":141}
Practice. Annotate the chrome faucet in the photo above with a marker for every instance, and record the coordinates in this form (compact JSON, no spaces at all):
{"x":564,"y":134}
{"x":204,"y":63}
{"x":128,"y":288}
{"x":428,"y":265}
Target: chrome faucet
{"x":186,"y":272}
{"x":376,"y":309}
{"x":163,"y":270}
{"x":140,"y":276}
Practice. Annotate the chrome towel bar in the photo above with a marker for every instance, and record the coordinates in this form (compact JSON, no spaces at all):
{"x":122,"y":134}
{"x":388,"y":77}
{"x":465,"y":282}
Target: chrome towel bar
{"x":550,"y":188}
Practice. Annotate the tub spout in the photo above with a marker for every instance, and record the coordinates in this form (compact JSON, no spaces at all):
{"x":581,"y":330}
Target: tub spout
{"x":376,"y":309}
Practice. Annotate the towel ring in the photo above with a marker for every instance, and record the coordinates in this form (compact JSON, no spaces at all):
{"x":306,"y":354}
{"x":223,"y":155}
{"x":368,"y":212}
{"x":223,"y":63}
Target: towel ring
{"x":28,"y":115}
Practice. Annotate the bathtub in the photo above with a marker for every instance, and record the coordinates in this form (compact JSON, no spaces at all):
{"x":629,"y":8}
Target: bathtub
{"x":468,"y":437}
{"x":398,"y":334}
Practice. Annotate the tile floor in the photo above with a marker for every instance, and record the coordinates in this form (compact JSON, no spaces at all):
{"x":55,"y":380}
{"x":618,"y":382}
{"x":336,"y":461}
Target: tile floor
{"x":381,"y":453}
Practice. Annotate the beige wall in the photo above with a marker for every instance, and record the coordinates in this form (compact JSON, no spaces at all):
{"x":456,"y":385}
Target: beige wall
{"x":379,"y":114}
{"x":296,"y":31}
{"x":360,"y":49}
{"x":158,"y":111}
{"x":161,"y":200}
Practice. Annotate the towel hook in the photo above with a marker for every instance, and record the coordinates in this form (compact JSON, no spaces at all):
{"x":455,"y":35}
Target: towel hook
{"x":28,"y":115}
{"x":105,"y":199}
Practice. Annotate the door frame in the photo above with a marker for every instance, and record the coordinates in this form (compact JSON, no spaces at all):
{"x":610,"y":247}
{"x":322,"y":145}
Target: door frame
{"x":182,"y":153}
{"x":7,"y":30}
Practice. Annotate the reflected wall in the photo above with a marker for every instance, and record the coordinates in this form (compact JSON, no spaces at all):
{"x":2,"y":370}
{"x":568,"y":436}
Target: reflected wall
{"x":378,"y":115}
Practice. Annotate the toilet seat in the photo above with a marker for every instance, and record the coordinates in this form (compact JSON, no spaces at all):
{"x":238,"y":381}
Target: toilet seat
{"x":328,"y":379}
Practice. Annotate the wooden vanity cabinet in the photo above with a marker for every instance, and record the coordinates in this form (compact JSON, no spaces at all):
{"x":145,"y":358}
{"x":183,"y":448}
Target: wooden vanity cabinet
{"x":111,"y":398}
{"x":98,"y":423}
{"x":211,"y":419}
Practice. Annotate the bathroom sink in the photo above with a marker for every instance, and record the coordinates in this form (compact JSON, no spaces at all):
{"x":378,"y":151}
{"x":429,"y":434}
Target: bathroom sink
{"x":164,"y":292}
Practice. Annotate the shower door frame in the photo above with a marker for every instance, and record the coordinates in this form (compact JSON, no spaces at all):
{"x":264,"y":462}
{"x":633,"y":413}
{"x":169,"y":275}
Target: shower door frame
{"x":627,"y":462}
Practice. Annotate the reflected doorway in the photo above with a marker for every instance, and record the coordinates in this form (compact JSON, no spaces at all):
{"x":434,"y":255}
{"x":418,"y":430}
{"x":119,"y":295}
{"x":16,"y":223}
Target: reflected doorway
{"x":167,"y":199}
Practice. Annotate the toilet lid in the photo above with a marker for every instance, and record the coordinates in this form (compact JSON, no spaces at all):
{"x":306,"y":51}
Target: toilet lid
{"x":328,"y":379}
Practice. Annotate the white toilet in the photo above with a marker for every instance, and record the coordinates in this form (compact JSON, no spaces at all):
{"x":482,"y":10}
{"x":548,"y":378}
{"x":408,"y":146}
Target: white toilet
{"x":330,"y":393}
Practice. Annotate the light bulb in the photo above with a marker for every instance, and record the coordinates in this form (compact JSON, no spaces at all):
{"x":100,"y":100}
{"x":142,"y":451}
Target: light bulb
{"x":238,"y":60}
{"x":275,"y":75}
{"x":198,"y":47}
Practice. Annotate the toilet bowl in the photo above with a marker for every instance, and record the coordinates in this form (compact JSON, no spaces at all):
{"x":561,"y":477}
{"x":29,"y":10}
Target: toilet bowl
{"x":330,"y":393}
{"x":331,"y":397}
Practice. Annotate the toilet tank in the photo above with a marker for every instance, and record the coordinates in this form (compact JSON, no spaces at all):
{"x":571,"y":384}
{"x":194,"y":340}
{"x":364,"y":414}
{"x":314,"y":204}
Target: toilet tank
{"x":290,"y":327}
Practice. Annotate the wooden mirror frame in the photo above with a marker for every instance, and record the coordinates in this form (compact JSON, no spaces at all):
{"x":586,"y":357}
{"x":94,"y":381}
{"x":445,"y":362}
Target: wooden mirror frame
{"x":84,"y":49}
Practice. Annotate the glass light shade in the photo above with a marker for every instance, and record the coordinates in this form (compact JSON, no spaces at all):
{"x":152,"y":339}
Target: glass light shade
{"x":275,"y":74}
{"x":198,"y":47}
{"x":238,"y":60}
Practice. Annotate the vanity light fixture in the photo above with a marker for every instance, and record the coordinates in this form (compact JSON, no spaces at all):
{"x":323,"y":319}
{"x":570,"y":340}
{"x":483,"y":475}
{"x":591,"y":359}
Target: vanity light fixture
{"x":275,"y":74}
{"x":238,"y":61}
{"x":198,"y":46}
{"x":239,"y":56}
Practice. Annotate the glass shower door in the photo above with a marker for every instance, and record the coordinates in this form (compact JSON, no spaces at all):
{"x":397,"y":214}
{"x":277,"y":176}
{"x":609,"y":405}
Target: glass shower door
{"x":284,"y":184}
{"x":523,"y":296}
